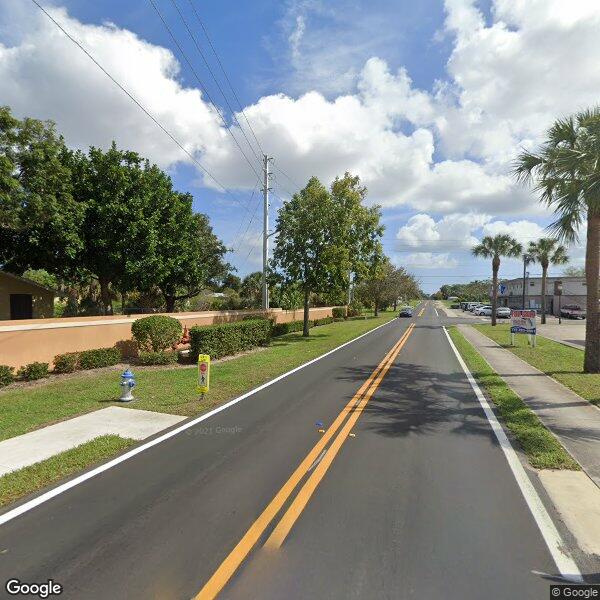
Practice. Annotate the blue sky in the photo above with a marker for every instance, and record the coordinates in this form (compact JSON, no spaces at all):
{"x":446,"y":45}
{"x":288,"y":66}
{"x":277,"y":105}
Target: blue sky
{"x":427,"y":101}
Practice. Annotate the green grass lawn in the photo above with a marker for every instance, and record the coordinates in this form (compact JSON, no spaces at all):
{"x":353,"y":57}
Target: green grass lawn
{"x":543,"y":450}
{"x":563,"y":363}
{"x":19,"y":483}
{"x":172,"y":390}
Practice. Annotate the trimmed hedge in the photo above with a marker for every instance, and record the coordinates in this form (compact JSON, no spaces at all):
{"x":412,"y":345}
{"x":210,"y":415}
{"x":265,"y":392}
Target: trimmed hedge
{"x":6,"y":375}
{"x":33,"y":371}
{"x":156,"y":333}
{"x":100,"y":357}
{"x":66,"y":363}
{"x":283,"y":328}
{"x":229,"y":338}
{"x":339,"y":312}
{"x":157,"y":358}
{"x":323,"y":321}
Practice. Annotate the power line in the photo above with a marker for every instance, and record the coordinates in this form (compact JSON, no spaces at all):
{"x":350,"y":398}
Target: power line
{"x":134,"y":100}
{"x":224,"y":72}
{"x":166,"y":26}
{"x":199,"y":49}
{"x":288,"y":177}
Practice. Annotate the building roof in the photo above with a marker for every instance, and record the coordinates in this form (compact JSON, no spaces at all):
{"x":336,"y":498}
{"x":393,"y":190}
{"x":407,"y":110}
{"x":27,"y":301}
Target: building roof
{"x":550,"y":277}
{"x":28,"y":281}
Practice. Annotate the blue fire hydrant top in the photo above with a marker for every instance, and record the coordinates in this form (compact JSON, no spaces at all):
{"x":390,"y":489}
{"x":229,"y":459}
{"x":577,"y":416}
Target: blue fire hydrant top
{"x":128,"y":378}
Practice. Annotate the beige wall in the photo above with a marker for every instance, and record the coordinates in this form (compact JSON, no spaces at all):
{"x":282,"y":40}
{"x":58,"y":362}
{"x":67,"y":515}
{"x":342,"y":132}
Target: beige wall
{"x":30,"y":340}
{"x":43,"y":300}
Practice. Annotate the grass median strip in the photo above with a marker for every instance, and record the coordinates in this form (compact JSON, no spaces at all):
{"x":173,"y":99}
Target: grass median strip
{"x":561,"y":362}
{"x":543,"y":450}
{"x":30,"y":479}
{"x":172,"y":390}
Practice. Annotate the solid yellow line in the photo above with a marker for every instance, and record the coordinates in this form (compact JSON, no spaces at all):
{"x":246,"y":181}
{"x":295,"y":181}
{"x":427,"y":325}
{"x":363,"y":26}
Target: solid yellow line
{"x":235,"y":558}
{"x":286,"y":523}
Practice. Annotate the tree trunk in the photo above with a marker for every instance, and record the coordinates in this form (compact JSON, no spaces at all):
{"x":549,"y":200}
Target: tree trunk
{"x":306,"y":313}
{"x":495,"y":269}
{"x":105,"y":298}
{"x":170,"y":302}
{"x":591,"y":361}
{"x":544,"y":283}
{"x":376,"y":306}
{"x":395,"y":305}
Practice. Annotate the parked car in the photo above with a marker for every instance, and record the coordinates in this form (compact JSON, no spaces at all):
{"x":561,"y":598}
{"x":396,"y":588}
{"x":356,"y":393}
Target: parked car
{"x":485,"y":310}
{"x":503,"y":312}
{"x":405,"y":311}
{"x":472,"y":306}
{"x":572,"y":311}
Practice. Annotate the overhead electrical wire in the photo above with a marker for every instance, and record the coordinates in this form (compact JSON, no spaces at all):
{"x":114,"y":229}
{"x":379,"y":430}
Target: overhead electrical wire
{"x":191,"y":66}
{"x":199,"y":49}
{"x":204,"y":29}
{"x":137,"y":102}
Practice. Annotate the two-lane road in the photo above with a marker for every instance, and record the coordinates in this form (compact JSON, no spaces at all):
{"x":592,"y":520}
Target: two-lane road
{"x":405,"y":494}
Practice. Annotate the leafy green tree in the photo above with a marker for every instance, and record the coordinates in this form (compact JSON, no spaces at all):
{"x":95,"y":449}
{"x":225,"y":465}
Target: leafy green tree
{"x":309,"y":248}
{"x":42,"y":277}
{"x":573,"y":271}
{"x":358,"y":225}
{"x":40,"y":220}
{"x":377,"y":287}
{"x":495,"y":248}
{"x":547,"y":251}
{"x":565,"y":173}
{"x":188,"y":256}
{"x":232,"y":282}
{"x":251,"y":290}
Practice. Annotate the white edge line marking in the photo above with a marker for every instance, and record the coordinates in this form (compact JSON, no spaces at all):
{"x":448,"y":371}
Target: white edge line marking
{"x":566,"y":565}
{"x":437,"y":314}
{"x":27,"y":506}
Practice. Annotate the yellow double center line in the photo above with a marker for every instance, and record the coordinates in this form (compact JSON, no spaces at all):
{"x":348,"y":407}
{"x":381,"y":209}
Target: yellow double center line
{"x":355,"y":407}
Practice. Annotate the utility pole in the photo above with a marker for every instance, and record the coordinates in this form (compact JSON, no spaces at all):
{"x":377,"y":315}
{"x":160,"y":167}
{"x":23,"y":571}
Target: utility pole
{"x":266,"y":188}
{"x":525,"y":263}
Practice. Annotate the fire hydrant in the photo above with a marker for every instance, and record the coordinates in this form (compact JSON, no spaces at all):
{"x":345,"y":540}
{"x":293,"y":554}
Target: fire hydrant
{"x":127,"y":385}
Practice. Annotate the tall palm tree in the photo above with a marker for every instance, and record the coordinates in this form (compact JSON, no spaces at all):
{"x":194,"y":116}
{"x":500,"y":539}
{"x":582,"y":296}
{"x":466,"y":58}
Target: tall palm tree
{"x":547,"y":251}
{"x":494,"y":248}
{"x":566,"y":173}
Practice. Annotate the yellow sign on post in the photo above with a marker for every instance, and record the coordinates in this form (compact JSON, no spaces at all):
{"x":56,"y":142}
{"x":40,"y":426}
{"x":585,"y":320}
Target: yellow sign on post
{"x":203,"y":373}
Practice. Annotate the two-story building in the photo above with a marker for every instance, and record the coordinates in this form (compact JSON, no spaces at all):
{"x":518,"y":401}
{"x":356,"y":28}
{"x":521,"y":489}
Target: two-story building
{"x":510,"y":293}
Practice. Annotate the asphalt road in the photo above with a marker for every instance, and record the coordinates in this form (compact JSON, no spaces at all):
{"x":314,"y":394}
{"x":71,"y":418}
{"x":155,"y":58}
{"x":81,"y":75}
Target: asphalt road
{"x":418,"y":503}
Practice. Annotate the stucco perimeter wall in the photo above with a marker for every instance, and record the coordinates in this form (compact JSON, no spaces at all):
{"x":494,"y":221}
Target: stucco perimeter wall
{"x":26,"y":341}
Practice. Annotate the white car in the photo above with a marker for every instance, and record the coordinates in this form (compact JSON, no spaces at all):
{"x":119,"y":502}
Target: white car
{"x":483,"y":311}
{"x":503,"y":312}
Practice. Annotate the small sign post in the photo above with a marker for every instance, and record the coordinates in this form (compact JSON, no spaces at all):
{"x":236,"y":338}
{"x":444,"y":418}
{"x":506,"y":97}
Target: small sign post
{"x":203,"y":373}
{"x":523,"y":321}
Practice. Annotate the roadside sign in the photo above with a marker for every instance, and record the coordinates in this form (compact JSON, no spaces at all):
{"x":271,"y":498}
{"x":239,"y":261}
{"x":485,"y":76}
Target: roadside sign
{"x":523,"y":321}
{"x":203,"y":373}
{"x":502,"y":288}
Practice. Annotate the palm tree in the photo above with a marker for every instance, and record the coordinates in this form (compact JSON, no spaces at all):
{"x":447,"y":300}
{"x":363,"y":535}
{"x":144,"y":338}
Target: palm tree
{"x":547,"y":251}
{"x":494,"y":248}
{"x":566,"y":173}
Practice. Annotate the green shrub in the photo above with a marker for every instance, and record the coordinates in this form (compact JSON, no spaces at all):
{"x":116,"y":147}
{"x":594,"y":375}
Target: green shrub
{"x":157,"y":358}
{"x":355,"y":308}
{"x":358,"y":318}
{"x":32,"y":371}
{"x":156,"y":333}
{"x":66,"y":363}
{"x":339,"y":312}
{"x":6,"y":375}
{"x":283,"y":328}
{"x":323,"y":321}
{"x":229,"y":338}
{"x":100,"y":357}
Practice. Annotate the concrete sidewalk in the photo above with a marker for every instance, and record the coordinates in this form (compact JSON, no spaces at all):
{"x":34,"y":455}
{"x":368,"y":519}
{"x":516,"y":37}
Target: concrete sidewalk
{"x":574,"y":421}
{"x":24,"y":450}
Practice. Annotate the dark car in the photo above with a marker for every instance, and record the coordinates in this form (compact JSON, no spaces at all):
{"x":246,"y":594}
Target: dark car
{"x":406,"y":311}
